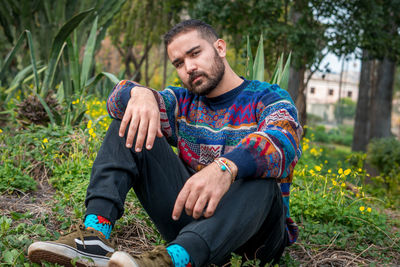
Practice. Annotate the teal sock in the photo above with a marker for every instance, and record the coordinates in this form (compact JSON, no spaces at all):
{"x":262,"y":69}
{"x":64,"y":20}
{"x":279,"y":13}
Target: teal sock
{"x":179,"y":255}
{"x":99,"y":223}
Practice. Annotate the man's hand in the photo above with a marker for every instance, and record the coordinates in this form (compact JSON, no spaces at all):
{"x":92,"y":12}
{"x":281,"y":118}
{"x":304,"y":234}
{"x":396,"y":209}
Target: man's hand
{"x":143,"y":116}
{"x":206,"y":187}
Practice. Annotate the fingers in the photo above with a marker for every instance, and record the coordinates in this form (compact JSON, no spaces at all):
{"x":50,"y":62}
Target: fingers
{"x":125,"y":121}
{"x":199,"y":207}
{"x":131,"y":131}
{"x":180,"y":203}
{"x":191,"y":201}
{"x":143,"y":117}
{"x":152,"y":132}
{"x":141,"y":134}
{"x":212,"y":205}
{"x":159,"y":132}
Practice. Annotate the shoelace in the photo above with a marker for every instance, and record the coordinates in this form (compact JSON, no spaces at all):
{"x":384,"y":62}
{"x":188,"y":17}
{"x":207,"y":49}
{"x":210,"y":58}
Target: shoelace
{"x":81,"y":227}
{"x":78,"y":229}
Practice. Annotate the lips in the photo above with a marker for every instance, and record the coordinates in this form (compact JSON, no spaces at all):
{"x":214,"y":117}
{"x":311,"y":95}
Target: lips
{"x":196,"y":79}
{"x":195,"y":76}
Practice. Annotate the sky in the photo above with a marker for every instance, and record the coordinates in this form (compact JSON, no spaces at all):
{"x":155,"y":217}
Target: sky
{"x":335,"y":64}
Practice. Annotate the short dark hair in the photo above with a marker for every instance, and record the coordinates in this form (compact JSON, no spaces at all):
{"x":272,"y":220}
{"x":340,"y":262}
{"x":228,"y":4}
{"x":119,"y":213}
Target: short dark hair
{"x":205,"y":30}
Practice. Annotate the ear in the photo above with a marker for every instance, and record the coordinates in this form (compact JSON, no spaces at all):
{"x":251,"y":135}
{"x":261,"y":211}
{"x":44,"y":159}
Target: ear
{"x":220,"y":46}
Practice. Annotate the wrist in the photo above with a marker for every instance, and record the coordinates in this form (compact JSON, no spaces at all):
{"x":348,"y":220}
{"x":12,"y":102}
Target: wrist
{"x":226,"y":165}
{"x":139,"y":87}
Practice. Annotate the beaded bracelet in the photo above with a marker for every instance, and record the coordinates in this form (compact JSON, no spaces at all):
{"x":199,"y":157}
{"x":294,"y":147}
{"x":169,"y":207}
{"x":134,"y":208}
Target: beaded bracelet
{"x":225,"y":166}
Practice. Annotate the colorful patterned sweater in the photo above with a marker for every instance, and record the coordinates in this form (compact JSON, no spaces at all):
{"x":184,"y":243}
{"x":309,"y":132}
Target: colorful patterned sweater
{"x":255,"y":125}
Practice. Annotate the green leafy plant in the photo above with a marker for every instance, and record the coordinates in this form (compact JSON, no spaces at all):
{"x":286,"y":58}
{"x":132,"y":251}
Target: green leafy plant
{"x":75,"y":77}
{"x":255,"y":68}
{"x":384,"y":155}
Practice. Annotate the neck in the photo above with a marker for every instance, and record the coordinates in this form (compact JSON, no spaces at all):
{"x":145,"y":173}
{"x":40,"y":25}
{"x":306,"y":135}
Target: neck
{"x":229,"y":81}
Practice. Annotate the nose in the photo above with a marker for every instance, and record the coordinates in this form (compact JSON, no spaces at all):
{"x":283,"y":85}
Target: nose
{"x":190,"y":66}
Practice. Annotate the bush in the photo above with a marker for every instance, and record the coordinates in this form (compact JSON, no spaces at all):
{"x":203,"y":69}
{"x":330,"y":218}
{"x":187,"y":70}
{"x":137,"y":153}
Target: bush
{"x":342,"y":135}
{"x":384,"y":155}
{"x":345,"y":109}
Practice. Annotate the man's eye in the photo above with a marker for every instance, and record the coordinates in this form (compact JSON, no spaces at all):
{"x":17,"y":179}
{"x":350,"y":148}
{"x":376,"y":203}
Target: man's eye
{"x":195,"y":53}
{"x":178,"y":65}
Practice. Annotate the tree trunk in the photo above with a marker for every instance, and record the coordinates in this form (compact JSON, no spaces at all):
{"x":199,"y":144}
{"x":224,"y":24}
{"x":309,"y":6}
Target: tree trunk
{"x":127,"y":61}
{"x":146,"y":71}
{"x":301,"y":101}
{"x":164,"y":81}
{"x":294,"y":81}
{"x":361,"y":125}
{"x":381,"y":106}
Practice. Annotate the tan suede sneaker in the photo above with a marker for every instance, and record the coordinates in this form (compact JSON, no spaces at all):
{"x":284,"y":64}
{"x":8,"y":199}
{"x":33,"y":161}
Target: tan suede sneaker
{"x":158,"y":257}
{"x":83,"y":247}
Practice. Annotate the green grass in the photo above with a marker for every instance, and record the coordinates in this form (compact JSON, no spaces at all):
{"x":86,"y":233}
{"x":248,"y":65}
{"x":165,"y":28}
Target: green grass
{"x":332,"y":218}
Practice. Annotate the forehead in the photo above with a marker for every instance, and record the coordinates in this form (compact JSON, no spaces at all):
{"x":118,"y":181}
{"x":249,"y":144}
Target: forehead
{"x":183,"y":42}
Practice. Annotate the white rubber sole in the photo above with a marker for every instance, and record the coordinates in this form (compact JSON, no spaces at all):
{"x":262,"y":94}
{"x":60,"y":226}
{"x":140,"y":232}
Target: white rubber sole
{"x":63,"y":254}
{"x":122,"y":259}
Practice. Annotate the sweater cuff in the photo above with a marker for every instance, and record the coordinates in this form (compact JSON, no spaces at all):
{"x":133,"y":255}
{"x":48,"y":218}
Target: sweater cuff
{"x":244,"y":161}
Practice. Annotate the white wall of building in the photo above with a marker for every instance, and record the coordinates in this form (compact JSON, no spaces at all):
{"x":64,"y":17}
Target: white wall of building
{"x":324,"y":90}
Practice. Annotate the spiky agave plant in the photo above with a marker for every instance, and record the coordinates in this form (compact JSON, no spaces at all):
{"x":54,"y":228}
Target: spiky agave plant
{"x":255,"y":68}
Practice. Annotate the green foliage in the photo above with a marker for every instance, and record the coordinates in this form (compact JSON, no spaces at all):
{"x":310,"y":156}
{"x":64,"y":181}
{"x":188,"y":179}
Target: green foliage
{"x":16,"y":237}
{"x":286,"y":26}
{"x":44,"y":19}
{"x":329,"y":212}
{"x":12,"y":178}
{"x":75,"y":81}
{"x":134,"y":32}
{"x":345,"y":109}
{"x":384,"y":155}
{"x":341,"y":135}
{"x":373,"y":27}
{"x":255,"y":68}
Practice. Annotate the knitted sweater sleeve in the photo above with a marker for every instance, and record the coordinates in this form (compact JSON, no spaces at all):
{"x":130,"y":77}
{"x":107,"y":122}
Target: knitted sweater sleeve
{"x":274,"y":148}
{"x":121,"y":93}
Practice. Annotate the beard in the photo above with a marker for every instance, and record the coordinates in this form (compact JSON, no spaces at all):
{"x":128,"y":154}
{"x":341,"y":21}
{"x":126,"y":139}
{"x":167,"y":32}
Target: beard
{"x":208,"y":82}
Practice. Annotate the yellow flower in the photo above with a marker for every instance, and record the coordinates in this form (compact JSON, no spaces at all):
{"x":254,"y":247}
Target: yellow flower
{"x":359,"y":170}
{"x":45,"y":140}
{"x":340,"y":171}
{"x":326,"y":162}
{"x":357,"y":195}
{"x":347,"y":172}
{"x":343,"y":184}
{"x":334,"y":182}
{"x":1,"y":130}
{"x":317,"y":168}
{"x":91,"y":131}
{"x":369,"y":209}
{"x":89,"y":125}
{"x":329,"y":171}
{"x":362,"y":208}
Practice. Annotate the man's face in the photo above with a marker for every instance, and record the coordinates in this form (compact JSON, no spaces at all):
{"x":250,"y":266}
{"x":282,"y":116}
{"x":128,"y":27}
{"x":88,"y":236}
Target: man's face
{"x":197,"y":61}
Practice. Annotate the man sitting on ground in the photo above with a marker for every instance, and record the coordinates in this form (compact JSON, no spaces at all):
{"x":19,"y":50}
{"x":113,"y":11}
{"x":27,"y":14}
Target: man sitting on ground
{"x":238,"y":142}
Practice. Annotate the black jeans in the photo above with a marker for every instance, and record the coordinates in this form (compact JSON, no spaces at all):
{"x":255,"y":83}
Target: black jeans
{"x":248,"y":220}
